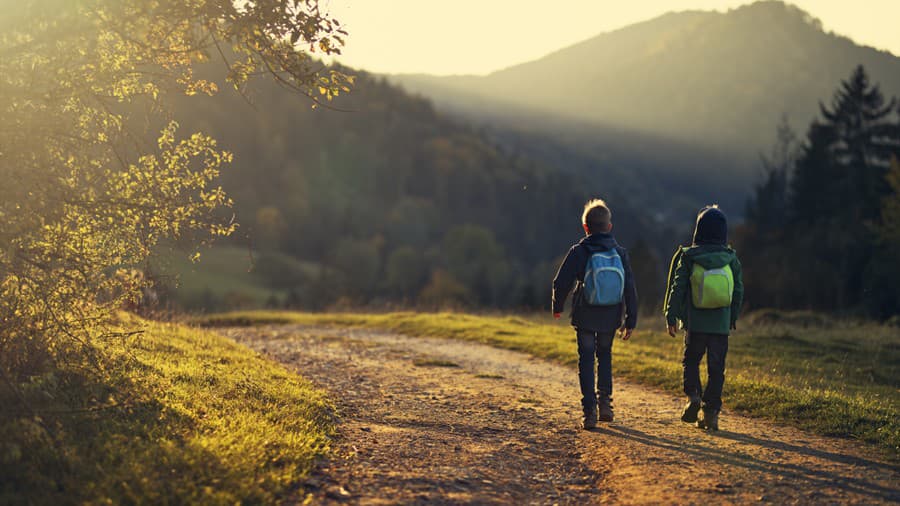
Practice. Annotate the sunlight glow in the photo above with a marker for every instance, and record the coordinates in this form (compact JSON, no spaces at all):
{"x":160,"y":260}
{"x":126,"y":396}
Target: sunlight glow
{"x":479,"y":36}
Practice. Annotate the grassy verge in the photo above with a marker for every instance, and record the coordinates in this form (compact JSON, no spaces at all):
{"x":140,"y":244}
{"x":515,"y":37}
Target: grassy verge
{"x":222,"y":279}
{"x":839,"y":379}
{"x":184,"y":417}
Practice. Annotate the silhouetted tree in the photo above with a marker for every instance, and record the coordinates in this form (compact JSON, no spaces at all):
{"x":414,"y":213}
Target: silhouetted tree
{"x":826,"y":253}
{"x":855,"y":137}
{"x":760,"y":240}
{"x":767,"y":208}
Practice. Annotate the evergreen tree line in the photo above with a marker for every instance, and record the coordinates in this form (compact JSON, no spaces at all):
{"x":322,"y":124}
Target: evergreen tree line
{"x":821,"y":228}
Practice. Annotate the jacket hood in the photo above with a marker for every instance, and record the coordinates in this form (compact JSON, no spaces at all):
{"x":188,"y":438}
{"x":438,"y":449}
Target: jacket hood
{"x":711,"y":227}
{"x":600,"y":242}
{"x":711,"y":256}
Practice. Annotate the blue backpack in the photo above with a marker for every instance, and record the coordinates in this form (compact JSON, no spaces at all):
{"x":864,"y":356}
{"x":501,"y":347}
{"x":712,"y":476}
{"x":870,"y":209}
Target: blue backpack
{"x":604,"y":279}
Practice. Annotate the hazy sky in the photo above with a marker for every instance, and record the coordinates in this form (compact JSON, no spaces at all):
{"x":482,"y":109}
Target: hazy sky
{"x":480,"y":36}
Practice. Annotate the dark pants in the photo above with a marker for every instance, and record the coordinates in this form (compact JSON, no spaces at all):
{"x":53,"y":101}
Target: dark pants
{"x":590,"y":344}
{"x":715,"y":346}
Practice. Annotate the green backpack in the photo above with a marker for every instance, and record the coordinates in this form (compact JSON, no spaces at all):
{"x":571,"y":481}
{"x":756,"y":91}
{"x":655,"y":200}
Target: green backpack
{"x":710,"y":288}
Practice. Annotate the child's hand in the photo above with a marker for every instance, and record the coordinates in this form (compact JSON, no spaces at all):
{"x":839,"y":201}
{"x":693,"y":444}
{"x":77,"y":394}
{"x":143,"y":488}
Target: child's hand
{"x":672,"y":330}
{"x":625,"y":333}
{"x":556,"y":316}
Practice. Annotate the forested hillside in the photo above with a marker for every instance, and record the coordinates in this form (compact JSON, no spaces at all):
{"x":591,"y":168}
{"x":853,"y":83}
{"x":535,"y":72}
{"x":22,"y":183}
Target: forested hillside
{"x":385,"y":200}
{"x":381,"y":199}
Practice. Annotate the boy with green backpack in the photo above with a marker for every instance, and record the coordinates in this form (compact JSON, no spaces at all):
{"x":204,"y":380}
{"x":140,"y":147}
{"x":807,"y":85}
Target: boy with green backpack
{"x":704,"y":293}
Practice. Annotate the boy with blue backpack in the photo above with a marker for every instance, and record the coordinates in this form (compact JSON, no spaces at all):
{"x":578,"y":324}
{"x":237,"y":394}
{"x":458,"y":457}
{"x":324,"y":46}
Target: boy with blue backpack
{"x":704,"y":294}
{"x":604,"y":297}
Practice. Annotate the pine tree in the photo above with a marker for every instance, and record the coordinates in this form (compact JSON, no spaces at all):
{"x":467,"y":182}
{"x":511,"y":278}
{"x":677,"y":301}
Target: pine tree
{"x":837,"y":188}
{"x":864,"y":138}
{"x":812,"y":224}
{"x":768,"y":206}
{"x":841,"y":172}
{"x":813,"y":183}
{"x":760,"y":239}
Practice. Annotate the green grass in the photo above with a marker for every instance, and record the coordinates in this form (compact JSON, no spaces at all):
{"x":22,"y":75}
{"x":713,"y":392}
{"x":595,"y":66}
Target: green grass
{"x":198,"y":419}
{"x":489,"y":376}
{"x":837,"y":378}
{"x":222,"y":277}
{"x":434,"y":363}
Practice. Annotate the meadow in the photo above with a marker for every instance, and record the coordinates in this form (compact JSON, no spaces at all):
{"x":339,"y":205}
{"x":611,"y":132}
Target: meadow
{"x":837,"y":378}
{"x":182,"y":415}
{"x":223,"y":277}
{"x":177,"y":415}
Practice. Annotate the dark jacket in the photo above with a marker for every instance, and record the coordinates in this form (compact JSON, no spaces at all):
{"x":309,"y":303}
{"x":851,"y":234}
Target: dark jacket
{"x":571,"y":273}
{"x":709,"y":250}
{"x":680,"y":306}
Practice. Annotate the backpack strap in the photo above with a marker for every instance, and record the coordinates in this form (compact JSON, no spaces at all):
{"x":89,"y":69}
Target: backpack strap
{"x":588,"y":253}
{"x":679,"y":252}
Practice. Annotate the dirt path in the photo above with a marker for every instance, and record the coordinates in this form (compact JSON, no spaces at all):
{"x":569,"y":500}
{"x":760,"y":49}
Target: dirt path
{"x":438,"y":421}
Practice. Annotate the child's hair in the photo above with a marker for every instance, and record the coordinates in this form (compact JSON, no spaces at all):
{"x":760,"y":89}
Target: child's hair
{"x":597,"y":216}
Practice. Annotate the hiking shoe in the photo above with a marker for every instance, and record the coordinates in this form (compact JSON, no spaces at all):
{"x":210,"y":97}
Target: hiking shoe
{"x":606,"y":411}
{"x":590,"y":418}
{"x":709,"y":420}
{"x":689,"y":413}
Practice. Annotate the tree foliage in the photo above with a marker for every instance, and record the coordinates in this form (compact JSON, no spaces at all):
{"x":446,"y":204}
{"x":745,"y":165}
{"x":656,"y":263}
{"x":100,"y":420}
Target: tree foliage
{"x":817,"y":244}
{"x":768,"y":206}
{"x":87,"y":194}
{"x":889,"y":229}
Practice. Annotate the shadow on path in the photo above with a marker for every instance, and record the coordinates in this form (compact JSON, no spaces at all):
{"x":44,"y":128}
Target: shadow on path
{"x":810,"y":473}
{"x":805,"y":450}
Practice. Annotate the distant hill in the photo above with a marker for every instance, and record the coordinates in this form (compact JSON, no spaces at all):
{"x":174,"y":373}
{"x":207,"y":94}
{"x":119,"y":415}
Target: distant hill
{"x":714,"y":81}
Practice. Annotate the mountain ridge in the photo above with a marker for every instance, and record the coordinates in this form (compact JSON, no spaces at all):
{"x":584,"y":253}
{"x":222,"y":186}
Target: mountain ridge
{"x":703,"y":77}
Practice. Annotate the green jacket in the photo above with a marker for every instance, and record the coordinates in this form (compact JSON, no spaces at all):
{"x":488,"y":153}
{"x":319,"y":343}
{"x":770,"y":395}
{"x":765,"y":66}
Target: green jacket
{"x":678,"y":303}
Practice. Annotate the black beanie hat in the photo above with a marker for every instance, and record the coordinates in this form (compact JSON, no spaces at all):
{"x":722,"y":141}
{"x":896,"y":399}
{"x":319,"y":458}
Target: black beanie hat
{"x":712,"y":226}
